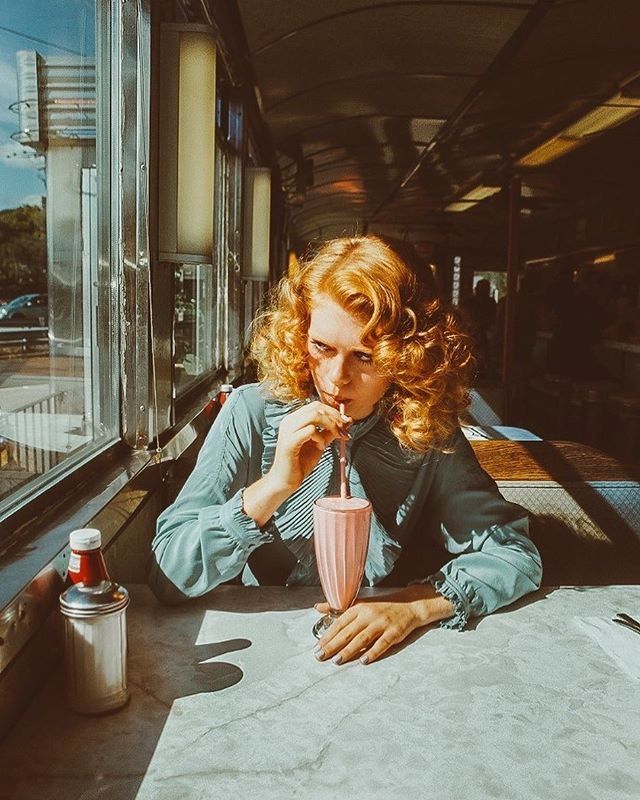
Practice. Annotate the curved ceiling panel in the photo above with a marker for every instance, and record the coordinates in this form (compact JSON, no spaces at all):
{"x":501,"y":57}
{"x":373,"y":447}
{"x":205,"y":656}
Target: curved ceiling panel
{"x":354,"y":133}
{"x":398,"y":39}
{"x":383,"y":112}
{"x":265,"y":29}
{"x":381,"y":95}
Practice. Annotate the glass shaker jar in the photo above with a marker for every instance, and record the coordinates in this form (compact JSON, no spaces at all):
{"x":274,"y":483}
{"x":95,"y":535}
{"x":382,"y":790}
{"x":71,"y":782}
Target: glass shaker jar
{"x":95,"y":638}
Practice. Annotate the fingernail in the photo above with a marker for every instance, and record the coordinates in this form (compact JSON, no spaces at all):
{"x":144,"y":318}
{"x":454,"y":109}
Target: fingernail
{"x":364,"y":659}
{"x":318,"y":652}
{"x":337,"y":659}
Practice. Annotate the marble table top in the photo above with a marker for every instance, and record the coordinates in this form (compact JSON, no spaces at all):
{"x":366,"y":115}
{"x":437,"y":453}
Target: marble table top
{"x":540,"y":700}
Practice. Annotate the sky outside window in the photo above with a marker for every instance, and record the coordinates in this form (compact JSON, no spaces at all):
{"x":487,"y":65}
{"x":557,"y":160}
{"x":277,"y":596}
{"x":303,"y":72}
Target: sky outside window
{"x":52,"y":28}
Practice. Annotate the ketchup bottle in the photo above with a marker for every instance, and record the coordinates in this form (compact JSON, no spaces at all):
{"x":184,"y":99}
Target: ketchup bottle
{"x":86,"y":563}
{"x":216,"y":402}
{"x":95,"y":630}
{"x":225,"y":391}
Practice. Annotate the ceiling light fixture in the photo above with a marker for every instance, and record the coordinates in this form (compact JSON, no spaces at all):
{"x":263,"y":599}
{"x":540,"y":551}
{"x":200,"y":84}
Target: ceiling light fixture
{"x":607,"y":258}
{"x":257,"y":223}
{"x":471,"y":198}
{"x":608,"y":115}
{"x":187,"y":143}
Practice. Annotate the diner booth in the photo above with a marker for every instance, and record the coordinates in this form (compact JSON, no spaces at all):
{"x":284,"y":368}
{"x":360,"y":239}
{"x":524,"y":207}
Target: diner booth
{"x":162,"y":166}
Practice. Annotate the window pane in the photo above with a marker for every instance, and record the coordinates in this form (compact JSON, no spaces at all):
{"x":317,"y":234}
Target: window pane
{"x":55,"y":404}
{"x":194,"y":323}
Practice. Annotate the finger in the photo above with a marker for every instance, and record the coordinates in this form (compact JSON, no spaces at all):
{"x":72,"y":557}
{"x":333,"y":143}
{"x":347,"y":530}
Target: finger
{"x":324,"y":408}
{"x":307,"y":434}
{"x":328,"y":434}
{"x":353,"y":648}
{"x":380,"y":646}
{"x":334,"y":629}
{"x":325,"y":417}
{"x":332,"y":644}
{"x":322,"y":608}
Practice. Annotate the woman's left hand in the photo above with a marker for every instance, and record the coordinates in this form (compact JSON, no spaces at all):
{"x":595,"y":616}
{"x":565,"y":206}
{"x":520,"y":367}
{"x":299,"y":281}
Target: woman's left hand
{"x":370,"y":627}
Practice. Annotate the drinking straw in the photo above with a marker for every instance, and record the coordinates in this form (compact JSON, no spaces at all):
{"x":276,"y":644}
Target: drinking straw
{"x":343,"y":462}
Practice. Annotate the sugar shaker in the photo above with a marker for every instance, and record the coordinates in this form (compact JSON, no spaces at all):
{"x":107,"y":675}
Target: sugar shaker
{"x":95,"y":638}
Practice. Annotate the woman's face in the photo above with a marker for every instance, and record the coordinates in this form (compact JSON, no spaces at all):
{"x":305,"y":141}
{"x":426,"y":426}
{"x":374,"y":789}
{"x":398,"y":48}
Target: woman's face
{"x":340,"y":362}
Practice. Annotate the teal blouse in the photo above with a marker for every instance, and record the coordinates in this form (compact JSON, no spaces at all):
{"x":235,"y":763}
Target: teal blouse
{"x":205,"y":537}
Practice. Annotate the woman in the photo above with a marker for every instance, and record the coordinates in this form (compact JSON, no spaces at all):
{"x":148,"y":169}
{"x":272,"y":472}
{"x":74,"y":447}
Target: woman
{"x":354,"y":325}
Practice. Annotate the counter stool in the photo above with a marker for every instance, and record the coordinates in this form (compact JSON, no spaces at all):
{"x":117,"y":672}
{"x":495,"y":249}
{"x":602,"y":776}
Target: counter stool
{"x":624,"y":415}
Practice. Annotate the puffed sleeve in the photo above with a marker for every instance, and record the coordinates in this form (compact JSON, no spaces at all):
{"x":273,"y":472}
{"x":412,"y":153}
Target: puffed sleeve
{"x":204,"y":537}
{"x":495,"y":560}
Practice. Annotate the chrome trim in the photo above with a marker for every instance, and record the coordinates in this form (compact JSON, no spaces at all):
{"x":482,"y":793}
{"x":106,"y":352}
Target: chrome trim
{"x":162,"y":346}
{"x":106,"y":291}
{"x":184,"y":258}
{"x":25,"y":603}
{"x":108,"y":503}
{"x":235,"y":322}
{"x":29,"y":670}
{"x":133,"y":65}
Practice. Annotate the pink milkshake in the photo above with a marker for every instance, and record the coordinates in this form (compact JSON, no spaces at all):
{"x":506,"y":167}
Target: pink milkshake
{"x":341,"y":537}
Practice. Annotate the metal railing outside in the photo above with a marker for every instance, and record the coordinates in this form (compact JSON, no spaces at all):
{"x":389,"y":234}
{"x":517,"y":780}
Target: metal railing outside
{"x":32,"y":423}
{"x":24,"y":340}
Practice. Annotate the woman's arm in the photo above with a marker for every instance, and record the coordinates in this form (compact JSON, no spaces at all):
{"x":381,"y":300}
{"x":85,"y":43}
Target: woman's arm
{"x":219,"y":517}
{"x":205,"y":537}
{"x":496,"y":562}
{"x":302,"y":438}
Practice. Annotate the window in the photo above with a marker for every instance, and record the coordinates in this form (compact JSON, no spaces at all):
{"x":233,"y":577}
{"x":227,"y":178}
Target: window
{"x":57,"y":392}
{"x":195,"y":335}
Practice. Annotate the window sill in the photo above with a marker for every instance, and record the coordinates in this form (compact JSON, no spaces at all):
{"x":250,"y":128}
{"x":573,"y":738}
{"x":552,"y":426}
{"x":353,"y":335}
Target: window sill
{"x":107,"y":493}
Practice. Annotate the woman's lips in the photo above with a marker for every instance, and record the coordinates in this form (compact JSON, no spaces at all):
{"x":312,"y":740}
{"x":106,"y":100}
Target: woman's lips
{"x":335,"y":401}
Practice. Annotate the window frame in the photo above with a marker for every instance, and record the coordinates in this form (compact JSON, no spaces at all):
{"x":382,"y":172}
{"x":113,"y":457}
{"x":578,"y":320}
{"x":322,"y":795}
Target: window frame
{"x":105,"y":293}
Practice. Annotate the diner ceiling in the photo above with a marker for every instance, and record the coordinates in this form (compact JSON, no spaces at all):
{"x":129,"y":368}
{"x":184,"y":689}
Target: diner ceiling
{"x":383,"y":113}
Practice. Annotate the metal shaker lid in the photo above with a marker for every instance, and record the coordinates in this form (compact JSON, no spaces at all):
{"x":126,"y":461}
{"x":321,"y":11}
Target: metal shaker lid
{"x":90,"y":601}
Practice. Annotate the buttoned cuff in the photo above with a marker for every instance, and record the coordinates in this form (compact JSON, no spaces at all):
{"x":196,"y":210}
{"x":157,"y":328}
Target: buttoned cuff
{"x":449,"y":588}
{"x":241,"y":527}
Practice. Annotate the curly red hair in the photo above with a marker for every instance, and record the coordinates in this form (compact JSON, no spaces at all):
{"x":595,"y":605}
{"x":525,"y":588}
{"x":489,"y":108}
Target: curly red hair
{"x":417,"y":342}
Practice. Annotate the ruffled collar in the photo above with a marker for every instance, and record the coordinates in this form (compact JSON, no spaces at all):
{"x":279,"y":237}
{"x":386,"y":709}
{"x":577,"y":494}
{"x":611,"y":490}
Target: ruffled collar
{"x":294,"y":519}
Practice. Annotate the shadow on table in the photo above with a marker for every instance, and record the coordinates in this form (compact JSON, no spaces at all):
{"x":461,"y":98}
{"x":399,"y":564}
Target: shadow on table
{"x":580,"y":558}
{"x":166,"y":664}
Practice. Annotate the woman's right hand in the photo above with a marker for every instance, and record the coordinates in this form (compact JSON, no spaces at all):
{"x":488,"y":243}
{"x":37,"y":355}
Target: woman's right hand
{"x":303,"y":436}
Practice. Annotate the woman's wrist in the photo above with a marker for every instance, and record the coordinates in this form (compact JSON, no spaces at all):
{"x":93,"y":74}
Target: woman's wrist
{"x":263,"y":498}
{"x":427,"y":604}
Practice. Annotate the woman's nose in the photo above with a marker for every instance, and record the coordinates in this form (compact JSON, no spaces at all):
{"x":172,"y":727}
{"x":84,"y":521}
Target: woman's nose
{"x":338,"y":374}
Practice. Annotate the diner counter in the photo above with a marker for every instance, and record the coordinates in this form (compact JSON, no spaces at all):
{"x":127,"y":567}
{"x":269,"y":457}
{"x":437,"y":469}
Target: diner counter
{"x":541,"y":700}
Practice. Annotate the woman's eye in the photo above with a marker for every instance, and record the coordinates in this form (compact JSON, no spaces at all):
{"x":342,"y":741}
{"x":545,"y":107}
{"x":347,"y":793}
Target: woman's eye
{"x":366,"y":358}
{"x":319,"y":346}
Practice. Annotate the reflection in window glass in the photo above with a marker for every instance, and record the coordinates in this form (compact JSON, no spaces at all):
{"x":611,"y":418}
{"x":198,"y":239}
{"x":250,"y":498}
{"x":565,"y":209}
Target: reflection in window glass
{"x":255,"y":296}
{"x":229,"y":204}
{"x":194,"y":323}
{"x":54,"y":405}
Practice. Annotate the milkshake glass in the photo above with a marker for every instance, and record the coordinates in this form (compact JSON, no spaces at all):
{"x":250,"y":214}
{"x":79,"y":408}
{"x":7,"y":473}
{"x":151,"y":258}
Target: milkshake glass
{"x":341,"y":537}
